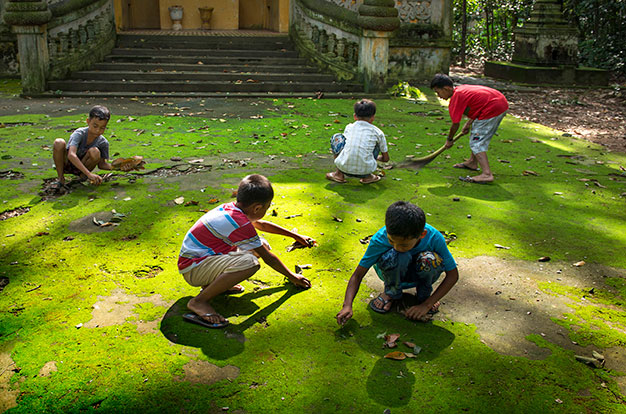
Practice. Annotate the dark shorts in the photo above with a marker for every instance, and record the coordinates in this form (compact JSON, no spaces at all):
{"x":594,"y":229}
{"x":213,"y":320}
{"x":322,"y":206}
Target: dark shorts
{"x":70,"y":168}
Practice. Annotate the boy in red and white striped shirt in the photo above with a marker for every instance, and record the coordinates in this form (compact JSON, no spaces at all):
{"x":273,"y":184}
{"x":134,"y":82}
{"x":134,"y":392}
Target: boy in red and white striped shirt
{"x":221,"y":249}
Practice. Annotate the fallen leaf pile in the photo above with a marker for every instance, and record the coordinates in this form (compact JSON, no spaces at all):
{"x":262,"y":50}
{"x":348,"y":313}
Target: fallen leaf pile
{"x":390,"y":342}
{"x":128,"y":164}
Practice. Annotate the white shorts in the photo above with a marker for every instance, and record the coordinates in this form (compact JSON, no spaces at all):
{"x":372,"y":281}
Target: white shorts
{"x":210,"y":268}
{"x":482,"y":131}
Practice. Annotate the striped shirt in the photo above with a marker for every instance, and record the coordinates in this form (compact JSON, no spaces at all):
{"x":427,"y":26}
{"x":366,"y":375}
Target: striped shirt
{"x":357,"y":156}
{"x":222,"y":230}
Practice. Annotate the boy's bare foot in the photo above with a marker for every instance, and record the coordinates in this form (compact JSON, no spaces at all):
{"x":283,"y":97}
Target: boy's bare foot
{"x":203,"y":310}
{"x":370,"y":179}
{"x":382,"y":304}
{"x":465,"y":166}
{"x":333,"y":176}
{"x":479,"y":179}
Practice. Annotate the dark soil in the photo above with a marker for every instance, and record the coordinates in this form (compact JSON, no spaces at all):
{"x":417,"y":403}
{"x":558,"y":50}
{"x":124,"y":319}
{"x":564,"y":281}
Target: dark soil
{"x":598,"y":115}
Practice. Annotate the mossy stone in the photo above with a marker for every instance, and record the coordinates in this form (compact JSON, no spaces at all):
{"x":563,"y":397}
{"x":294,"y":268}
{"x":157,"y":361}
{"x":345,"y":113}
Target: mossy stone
{"x":33,"y":18}
{"x":375,"y":11}
{"x":386,"y":24}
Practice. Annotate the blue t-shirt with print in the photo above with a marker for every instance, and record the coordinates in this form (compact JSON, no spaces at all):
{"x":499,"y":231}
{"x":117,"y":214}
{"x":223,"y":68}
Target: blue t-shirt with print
{"x":432,"y":242}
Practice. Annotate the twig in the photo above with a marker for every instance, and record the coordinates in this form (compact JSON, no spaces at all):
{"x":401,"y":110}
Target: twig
{"x":35,"y":288}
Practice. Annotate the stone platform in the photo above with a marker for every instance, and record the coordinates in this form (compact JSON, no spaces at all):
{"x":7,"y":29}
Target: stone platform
{"x":547,"y":75}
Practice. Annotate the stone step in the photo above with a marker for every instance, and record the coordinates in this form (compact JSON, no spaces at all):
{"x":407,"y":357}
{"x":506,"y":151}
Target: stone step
{"x":194,"y":86}
{"x":194,"y":67}
{"x":166,"y":76}
{"x":211,"y":60}
{"x":226,"y":53}
{"x":241,"y":95}
{"x":205,"y":42}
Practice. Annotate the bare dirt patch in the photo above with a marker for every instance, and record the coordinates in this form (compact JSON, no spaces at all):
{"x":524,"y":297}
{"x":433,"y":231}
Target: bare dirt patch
{"x":8,"y":392}
{"x":48,"y":367}
{"x":115,"y":309}
{"x":203,"y":372}
{"x":502,"y":299}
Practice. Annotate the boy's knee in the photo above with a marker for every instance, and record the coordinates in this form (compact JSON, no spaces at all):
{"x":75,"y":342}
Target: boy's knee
{"x":427,"y":261}
{"x":94,"y":153}
{"x":59,"y":143}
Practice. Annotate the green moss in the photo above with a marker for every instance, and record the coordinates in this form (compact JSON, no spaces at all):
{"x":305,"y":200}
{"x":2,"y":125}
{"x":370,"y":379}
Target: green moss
{"x":598,"y":316}
{"x":294,"y":358}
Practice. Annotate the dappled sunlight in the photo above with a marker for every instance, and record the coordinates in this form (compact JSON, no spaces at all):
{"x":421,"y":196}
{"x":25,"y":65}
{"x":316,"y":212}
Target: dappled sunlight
{"x":283,"y":342}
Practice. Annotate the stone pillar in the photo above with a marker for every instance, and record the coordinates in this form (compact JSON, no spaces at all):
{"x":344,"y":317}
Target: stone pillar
{"x":28,"y":20}
{"x":378,"y":19}
{"x":374,"y":59}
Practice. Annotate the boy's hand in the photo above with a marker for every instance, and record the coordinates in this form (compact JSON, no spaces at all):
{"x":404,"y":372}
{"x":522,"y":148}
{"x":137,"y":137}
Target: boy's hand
{"x":344,"y":315}
{"x":304,"y":240}
{"x":300,"y":281}
{"x":95,"y":179}
{"x":417,"y":312}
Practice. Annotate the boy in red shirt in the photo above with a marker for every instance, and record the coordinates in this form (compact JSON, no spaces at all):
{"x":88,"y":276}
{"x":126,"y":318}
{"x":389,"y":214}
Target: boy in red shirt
{"x":485,"y":107}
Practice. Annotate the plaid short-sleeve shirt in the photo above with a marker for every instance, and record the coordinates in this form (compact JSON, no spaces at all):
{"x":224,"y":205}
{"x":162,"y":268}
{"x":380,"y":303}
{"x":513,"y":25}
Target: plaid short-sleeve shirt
{"x":357,"y":156}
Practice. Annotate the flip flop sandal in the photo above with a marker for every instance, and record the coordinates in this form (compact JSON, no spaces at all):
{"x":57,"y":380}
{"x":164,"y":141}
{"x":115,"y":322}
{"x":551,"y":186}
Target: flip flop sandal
{"x":380,"y":310}
{"x":332,"y":177}
{"x":375,"y":180}
{"x":194,"y":318}
{"x":465,"y":167}
{"x":235,"y":290}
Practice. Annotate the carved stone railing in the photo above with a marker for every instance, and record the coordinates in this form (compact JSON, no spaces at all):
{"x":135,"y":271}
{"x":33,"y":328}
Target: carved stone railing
{"x":374,"y":41}
{"x":79,"y":35}
{"x":55,"y":39}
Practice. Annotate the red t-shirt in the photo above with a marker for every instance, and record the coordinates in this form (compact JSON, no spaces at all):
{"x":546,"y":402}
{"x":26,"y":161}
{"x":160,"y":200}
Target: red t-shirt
{"x":483,"y":102}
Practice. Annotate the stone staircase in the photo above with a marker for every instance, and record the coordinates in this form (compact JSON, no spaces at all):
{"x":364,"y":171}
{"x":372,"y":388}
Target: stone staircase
{"x":203,"y":66}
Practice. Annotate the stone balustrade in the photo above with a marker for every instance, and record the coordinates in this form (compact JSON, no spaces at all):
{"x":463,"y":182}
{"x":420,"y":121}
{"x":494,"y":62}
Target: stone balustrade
{"x":378,"y":42}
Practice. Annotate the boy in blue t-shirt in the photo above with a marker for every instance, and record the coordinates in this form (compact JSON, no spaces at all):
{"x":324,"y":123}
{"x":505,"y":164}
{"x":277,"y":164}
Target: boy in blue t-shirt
{"x":405,"y":253}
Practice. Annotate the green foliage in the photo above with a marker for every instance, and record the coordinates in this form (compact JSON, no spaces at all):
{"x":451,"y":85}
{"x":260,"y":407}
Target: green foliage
{"x":405,"y":90}
{"x":490,"y":24}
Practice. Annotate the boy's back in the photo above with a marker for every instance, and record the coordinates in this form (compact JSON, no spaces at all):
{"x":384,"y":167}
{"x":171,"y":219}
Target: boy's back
{"x":357,"y":156}
{"x":220,"y":231}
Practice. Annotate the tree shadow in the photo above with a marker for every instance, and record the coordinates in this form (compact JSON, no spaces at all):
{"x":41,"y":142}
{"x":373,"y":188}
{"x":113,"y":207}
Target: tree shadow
{"x":390,"y":382}
{"x":225,"y":343}
{"x":491,"y":192}
{"x":357,"y":192}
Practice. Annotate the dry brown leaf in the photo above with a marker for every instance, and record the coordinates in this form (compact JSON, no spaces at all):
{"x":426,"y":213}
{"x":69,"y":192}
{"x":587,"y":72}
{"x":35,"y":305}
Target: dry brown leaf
{"x":397,"y":355}
{"x":529,"y":172}
{"x":128,"y":164}
{"x":179,"y":200}
{"x":409,"y":344}
{"x":579,"y":264}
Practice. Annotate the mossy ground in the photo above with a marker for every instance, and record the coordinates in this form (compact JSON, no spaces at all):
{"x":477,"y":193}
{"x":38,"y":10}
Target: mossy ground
{"x":291,"y":354}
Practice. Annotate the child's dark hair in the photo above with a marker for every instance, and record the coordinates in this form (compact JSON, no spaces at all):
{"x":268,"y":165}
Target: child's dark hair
{"x":365,"y":109}
{"x":405,"y":220}
{"x":100,"y":112}
{"x":254,"y":188}
{"x":440,"y":80}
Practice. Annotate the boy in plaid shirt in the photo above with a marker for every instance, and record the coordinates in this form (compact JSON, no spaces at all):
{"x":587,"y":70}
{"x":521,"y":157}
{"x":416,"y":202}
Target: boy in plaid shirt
{"x":359,"y":147}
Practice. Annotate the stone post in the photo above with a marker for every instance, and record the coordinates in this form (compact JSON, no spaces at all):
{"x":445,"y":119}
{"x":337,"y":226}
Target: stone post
{"x":378,"y":19}
{"x":28,"y":20}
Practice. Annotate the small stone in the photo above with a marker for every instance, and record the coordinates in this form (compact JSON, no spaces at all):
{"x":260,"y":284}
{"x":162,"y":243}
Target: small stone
{"x":456,"y":199}
{"x":469,"y":216}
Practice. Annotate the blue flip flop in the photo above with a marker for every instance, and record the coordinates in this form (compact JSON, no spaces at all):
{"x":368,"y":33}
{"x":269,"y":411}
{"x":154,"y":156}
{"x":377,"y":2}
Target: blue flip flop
{"x":194,"y":318}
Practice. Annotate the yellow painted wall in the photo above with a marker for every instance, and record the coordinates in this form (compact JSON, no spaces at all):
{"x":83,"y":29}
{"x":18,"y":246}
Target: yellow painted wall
{"x":225,"y":13}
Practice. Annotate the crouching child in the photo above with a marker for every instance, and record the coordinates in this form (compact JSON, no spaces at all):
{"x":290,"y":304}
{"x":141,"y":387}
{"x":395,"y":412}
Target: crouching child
{"x":222,"y":248}
{"x":406,"y":253}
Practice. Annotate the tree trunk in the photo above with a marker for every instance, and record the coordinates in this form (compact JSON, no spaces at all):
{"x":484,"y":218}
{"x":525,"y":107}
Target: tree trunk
{"x":464,"y":33}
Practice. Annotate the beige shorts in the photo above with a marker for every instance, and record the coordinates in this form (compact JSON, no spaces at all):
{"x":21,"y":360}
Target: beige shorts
{"x":210,"y":268}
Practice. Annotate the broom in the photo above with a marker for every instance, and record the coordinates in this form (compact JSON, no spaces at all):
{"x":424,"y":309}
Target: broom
{"x":418,"y":163}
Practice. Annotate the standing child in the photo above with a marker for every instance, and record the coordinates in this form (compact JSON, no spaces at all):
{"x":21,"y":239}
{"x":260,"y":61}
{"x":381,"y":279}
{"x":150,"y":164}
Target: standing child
{"x":358,"y":148}
{"x":405,"y":253}
{"x":221,"y":249}
{"x":485,"y":107}
{"x":86,"y":149}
